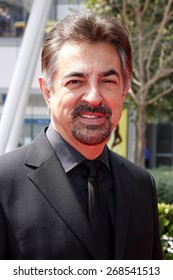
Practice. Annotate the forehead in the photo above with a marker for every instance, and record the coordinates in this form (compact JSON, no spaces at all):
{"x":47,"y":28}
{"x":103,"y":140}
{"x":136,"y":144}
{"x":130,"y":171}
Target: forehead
{"x":91,"y":55}
{"x":75,"y":48}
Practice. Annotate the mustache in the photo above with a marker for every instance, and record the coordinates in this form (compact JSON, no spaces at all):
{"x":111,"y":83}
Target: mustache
{"x":102,"y":109}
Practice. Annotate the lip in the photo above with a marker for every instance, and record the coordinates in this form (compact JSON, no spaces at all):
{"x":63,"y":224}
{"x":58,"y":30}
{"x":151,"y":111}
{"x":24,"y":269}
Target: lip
{"x":92,"y":118}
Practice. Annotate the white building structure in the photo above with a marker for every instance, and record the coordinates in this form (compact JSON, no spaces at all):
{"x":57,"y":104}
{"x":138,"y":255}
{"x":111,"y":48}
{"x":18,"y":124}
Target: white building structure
{"x":14,"y":15}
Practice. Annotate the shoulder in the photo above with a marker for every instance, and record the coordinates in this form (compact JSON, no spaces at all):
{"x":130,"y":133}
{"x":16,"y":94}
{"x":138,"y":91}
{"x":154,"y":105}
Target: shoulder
{"x":12,"y":158}
{"x":17,"y":158}
{"x":137,"y":173}
{"x":17,"y":164}
{"x":135,"y":180}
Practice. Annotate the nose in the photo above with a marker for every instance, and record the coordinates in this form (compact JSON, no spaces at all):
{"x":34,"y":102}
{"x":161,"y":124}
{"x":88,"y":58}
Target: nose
{"x":93,"y":95}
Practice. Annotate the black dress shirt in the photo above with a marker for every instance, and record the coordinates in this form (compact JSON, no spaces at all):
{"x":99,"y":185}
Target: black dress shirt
{"x":71,"y":159}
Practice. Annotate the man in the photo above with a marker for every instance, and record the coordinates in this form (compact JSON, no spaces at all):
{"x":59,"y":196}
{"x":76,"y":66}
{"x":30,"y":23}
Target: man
{"x":49,"y":204}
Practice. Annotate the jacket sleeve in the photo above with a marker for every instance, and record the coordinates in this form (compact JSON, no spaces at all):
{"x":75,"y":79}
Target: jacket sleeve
{"x":9,"y":248}
{"x":157,"y":248}
{"x":3,"y":241}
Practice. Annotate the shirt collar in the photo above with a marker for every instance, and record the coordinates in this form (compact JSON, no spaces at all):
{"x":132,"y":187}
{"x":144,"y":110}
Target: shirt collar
{"x":69,"y":156}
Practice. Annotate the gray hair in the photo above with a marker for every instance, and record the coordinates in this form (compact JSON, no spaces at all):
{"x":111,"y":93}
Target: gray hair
{"x":87,"y":27}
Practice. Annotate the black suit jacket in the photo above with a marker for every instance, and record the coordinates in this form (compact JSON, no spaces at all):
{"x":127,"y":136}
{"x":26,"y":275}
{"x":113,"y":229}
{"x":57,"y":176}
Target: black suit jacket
{"x":41,"y":218}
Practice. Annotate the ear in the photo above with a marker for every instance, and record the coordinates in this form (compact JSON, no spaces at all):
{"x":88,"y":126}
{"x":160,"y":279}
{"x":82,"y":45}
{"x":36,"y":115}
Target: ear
{"x":45,"y":90}
{"x":126,"y":90}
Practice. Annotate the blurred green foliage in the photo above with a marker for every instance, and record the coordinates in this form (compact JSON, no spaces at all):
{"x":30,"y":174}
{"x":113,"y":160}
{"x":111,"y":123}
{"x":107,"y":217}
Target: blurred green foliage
{"x":166,"y":229}
{"x":164,"y":183}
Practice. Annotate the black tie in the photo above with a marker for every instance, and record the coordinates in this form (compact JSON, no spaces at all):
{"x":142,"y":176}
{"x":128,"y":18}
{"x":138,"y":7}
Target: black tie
{"x":98,"y":212}
{"x":94,"y":213}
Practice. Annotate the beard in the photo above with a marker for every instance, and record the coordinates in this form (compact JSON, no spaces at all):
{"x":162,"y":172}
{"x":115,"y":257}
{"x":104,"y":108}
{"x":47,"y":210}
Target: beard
{"x":87,"y":133}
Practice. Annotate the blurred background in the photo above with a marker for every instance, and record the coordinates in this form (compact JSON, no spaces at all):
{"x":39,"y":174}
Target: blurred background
{"x":145,"y":132}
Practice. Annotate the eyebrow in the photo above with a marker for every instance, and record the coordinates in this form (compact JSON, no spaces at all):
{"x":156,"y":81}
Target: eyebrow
{"x":75,"y":74}
{"x":109,"y":73}
{"x":102,"y":74}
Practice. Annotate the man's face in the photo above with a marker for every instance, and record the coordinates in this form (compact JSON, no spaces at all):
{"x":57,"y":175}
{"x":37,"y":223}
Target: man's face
{"x":87,"y":97}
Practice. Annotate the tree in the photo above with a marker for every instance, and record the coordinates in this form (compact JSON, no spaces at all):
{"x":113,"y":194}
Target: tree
{"x":150,"y":24}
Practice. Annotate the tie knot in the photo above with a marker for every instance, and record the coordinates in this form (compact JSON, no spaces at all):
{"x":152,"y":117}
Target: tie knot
{"x":93,"y":168}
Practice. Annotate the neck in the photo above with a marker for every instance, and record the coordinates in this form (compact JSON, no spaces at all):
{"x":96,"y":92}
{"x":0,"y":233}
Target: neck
{"x":89,"y":151}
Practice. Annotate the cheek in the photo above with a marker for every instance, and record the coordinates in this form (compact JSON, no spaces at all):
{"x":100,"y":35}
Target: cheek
{"x":57,"y":101}
{"x":55,"y":106}
{"x":62,"y":105}
{"x":116,"y":108}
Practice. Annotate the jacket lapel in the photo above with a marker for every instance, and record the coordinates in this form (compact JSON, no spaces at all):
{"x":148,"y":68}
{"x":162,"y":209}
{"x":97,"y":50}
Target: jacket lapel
{"x":51,"y":180}
{"x":122,"y":200}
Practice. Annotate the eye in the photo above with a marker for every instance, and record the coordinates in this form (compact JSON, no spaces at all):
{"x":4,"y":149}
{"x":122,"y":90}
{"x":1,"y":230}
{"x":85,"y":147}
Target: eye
{"x":109,"y":83}
{"x":74,"y":84}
